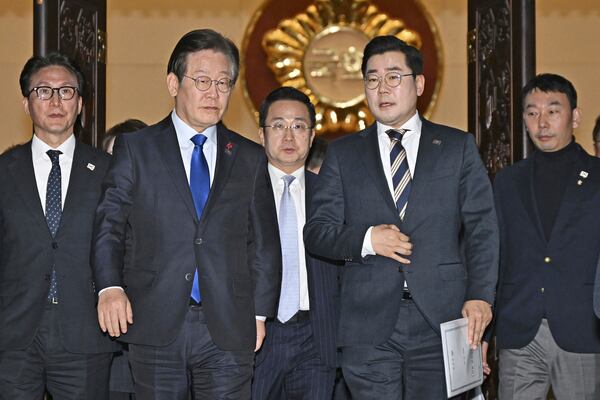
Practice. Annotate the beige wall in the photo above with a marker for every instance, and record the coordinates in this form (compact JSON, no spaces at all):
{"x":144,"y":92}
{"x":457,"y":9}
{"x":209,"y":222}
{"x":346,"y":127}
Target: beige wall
{"x":142,"y":33}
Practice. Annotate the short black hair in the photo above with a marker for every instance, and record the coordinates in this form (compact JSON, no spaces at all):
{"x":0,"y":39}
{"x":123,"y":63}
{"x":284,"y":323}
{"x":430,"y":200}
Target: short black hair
{"x":36,"y":63}
{"x":285,"y":93}
{"x":129,"y":125}
{"x":317,"y":152}
{"x":383,"y":44}
{"x":596,"y":131}
{"x":203,"y":39}
{"x":550,"y":83}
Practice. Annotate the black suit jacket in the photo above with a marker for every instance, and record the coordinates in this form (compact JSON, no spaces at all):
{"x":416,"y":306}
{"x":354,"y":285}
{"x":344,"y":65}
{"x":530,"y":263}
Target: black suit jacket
{"x":450,"y":220}
{"x":552,"y":278}
{"x":28,"y":252}
{"x":323,"y":294}
{"x":235,"y":244}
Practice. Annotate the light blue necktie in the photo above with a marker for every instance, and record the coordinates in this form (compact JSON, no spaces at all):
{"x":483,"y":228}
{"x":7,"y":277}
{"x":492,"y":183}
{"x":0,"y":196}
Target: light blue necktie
{"x":289,"y":299}
{"x":400,"y":172}
{"x":53,"y":211}
{"x":200,"y":187}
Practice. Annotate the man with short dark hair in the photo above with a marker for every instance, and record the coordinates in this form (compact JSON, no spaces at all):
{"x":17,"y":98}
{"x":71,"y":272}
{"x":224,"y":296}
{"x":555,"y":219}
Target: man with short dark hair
{"x":192,"y":288}
{"x":49,"y":189}
{"x":298,"y":358}
{"x":547,"y":204}
{"x":408,"y":205}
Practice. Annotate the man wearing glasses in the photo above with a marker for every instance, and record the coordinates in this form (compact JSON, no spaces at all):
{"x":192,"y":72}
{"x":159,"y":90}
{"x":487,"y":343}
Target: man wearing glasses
{"x":186,"y":247}
{"x":408,"y":205}
{"x":49,"y":189}
{"x":298,"y":359}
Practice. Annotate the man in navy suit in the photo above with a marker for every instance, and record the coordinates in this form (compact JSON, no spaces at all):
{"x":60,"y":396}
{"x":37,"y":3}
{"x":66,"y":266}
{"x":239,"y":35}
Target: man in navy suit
{"x":49,"y":189}
{"x":187,"y":252}
{"x":549,"y":220}
{"x":298,"y":358}
{"x":408,"y":205}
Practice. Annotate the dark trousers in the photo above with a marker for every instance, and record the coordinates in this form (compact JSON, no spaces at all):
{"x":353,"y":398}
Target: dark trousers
{"x":409,"y":366}
{"x":46,"y":365}
{"x":289,"y":366}
{"x":191,"y":366}
{"x":121,"y":379}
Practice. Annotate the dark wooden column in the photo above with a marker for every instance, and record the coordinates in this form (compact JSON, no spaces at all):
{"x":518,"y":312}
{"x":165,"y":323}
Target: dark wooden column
{"x":77,"y":28}
{"x":501,"y":56}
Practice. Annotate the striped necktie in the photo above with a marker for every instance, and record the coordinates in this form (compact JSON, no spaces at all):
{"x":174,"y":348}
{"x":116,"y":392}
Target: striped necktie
{"x":400,"y":172}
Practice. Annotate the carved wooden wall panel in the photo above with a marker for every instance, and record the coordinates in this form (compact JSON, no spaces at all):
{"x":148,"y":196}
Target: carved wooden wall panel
{"x":77,"y":28}
{"x":501,"y":56}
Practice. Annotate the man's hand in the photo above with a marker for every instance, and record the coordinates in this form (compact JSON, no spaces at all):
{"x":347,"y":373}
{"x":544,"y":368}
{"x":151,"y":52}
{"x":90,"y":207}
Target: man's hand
{"x":388,"y":241}
{"x":484,"y":349}
{"x":260,"y":334}
{"x":479,"y":314}
{"x":114,"y":312}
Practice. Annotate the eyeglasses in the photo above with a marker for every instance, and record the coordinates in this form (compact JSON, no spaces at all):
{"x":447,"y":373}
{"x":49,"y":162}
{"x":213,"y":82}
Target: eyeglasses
{"x":46,"y":92}
{"x":392,"y":79}
{"x":203,"y":83}
{"x":297,"y":128}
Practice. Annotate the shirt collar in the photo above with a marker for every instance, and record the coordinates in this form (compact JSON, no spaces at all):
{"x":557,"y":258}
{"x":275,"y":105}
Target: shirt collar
{"x":413,"y":125}
{"x":186,"y":132}
{"x":276,"y":175}
{"x":39,"y":147}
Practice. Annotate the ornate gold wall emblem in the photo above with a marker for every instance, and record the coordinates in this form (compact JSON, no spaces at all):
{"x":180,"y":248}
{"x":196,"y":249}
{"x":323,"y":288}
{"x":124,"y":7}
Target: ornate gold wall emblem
{"x":317,"y":47}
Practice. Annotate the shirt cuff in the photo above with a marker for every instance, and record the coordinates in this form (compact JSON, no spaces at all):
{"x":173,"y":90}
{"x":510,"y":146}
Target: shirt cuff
{"x":261,"y":318}
{"x":367,"y":247}
{"x":109,"y":287}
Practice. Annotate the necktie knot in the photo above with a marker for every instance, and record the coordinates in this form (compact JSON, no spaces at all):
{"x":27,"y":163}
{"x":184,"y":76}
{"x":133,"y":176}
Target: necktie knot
{"x":287,"y":180}
{"x":53,"y":154}
{"x":198,"y":139}
{"x":396,"y":134}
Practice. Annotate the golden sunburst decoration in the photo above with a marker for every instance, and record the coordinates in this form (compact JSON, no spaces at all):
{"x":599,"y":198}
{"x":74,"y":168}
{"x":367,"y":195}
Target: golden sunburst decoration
{"x":319,"y":52}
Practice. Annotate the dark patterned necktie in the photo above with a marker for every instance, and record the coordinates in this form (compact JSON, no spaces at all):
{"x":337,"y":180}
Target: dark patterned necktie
{"x":200,"y":187}
{"x":53,"y":210}
{"x":400,"y":172}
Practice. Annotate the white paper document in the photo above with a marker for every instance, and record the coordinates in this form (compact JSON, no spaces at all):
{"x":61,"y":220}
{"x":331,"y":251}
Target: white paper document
{"x":463,"y":366}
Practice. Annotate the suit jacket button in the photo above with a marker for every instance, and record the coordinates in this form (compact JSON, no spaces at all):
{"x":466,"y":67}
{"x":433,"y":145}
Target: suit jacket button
{"x":189,"y":276}
{"x":54,"y":245}
{"x":547,"y":260}
{"x":198,"y":241}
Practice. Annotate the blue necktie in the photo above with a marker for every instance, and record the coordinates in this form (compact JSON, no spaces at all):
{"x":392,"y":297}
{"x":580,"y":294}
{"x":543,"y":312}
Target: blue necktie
{"x":200,"y":187}
{"x":53,"y":210}
{"x":289,"y":299}
{"x":400,"y":173}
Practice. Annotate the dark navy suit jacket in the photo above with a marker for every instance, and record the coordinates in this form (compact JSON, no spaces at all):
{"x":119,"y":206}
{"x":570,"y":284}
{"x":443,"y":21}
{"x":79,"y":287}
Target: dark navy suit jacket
{"x":548,"y":278}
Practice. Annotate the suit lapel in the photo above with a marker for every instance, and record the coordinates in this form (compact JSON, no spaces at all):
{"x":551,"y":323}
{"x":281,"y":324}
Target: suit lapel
{"x":168,"y":147}
{"x":23,"y":174}
{"x":430,"y":149}
{"x":571,"y":196}
{"x":526,"y":190}
{"x":374,"y":166}
{"x":227,"y":148}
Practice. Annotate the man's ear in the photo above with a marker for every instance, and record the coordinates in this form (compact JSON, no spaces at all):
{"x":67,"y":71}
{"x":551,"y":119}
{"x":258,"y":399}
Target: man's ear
{"x":420,"y":83}
{"x":26,"y":105}
{"x":261,"y":136}
{"x":172,"y":84}
{"x":576,"y":117}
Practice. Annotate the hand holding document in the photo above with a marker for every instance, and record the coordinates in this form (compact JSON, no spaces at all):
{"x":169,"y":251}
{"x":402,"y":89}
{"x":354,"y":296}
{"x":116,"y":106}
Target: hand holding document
{"x":463,"y":366}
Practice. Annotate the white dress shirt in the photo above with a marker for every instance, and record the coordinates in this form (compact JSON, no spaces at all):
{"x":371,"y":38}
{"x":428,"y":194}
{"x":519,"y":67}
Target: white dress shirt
{"x":298,"y":192}
{"x":42,"y":166}
{"x":410,"y":142}
{"x":186,"y":146}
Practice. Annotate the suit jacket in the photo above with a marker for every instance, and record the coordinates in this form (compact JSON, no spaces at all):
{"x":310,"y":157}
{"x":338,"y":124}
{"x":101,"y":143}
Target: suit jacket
{"x":450,"y":220}
{"x":323,"y":294}
{"x":28,"y":252}
{"x":552,"y":278}
{"x":147,"y":199}
{"x":597,"y":291}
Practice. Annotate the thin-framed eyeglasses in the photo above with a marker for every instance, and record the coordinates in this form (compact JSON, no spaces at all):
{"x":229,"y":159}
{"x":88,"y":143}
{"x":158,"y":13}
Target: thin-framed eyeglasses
{"x":203,"y":83}
{"x":46,"y":92}
{"x":297,"y":128}
{"x":392,"y":79}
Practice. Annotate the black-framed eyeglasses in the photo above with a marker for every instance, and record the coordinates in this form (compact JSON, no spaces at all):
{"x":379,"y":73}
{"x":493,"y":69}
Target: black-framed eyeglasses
{"x":46,"y":92}
{"x":297,"y":128}
{"x":392,"y":79}
{"x":203,"y":83}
